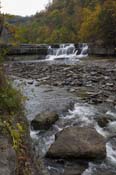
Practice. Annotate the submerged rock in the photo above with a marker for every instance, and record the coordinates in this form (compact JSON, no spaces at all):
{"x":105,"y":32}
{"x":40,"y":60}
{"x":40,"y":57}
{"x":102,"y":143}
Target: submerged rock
{"x":44,"y":120}
{"x":103,"y":121}
{"x":77,"y":142}
{"x":30,"y":82}
{"x":74,"y":169}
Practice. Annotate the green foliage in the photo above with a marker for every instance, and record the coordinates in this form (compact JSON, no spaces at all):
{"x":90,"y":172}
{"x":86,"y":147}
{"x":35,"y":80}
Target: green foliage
{"x":13,"y":124}
{"x":16,"y":133}
{"x":68,"y":21}
{"x":107,"y":23}
{"x":89,"y":29}
{"x":3,"y":53}
{"x":1,"y":23}
{"x":11,"y":99}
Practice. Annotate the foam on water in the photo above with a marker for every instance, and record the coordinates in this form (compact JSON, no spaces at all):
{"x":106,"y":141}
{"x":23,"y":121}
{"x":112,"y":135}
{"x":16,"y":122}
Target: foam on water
{"x":83,"y":53}
{"x":101,"y":131}
{"x":57,"y":128}
{"x":83,"y":110}
{"x":44,"y":143}
{"x":111,"y":114}
{"x":82,"y":115}
{"x":67,"y":51}
{"x":111,"y":154}
{"x":89,"y":170}
{"x":112,"y":127}
{"x":33,"y":134}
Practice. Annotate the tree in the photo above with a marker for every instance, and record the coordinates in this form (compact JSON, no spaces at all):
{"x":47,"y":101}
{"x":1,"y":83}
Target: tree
{"x":107,"y":23}
{"x":1,"y":20}
{"x":89,"y":29}
{"x":68,"y":21}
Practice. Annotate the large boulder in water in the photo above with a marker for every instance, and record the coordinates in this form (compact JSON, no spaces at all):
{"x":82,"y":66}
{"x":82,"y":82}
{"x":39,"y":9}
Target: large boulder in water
{"x":78,"y":142}
{"x":44,"y":120}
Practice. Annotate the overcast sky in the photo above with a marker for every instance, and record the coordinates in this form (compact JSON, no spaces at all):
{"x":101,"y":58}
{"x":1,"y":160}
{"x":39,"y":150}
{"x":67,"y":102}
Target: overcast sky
{"x":23,"y":7}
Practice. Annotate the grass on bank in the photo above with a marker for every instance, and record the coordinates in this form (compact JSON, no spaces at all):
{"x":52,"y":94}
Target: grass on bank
{"x":10,"y":99}
{"x":13,"y":124}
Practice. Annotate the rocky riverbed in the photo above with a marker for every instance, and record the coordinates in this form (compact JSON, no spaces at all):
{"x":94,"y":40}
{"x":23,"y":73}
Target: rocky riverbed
{"x":78,"y":105}
{"x":94,"y":81}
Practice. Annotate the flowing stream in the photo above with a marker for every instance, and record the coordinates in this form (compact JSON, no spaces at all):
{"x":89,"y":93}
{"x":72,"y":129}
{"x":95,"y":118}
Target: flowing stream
{"x":82,"y":115}
{"x":72,"y":112}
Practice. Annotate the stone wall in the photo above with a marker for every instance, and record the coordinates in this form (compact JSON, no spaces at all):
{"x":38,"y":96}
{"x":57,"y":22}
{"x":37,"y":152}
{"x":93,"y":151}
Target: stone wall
{"x":101,"y":50}
{"x":42,"y":49}
{"x":28,"y":50}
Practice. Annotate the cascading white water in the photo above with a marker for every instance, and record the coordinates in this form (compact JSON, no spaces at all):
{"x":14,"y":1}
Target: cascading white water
{"x":82,"y":115}
{"x":67,"y":51}
{"x":84,"y":51}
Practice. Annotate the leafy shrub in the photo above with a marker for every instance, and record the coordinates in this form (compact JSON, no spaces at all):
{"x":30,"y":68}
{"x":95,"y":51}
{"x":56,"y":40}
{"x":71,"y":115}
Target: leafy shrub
{"x":11,"y":99}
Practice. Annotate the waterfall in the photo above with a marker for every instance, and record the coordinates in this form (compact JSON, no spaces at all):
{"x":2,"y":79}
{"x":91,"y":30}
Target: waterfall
{"x":84,"y":51}
{"x":67,"y":51}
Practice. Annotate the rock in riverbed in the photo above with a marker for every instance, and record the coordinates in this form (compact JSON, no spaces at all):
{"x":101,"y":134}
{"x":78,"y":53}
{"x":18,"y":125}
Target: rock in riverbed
{"x":74,"y":169}
{"x":44,"y":120}
{"x":7,"y":158}
{"x":103,"y":121}
{"x":77,"y":142}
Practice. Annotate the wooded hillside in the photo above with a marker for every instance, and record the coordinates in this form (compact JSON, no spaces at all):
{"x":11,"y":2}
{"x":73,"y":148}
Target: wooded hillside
{"x":67,"y":21}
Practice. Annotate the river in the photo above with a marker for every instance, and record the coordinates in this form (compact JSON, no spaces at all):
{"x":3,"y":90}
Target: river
{"x":83,"y":93}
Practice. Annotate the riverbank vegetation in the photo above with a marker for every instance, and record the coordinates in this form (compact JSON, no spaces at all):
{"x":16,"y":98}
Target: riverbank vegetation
{"x":13,"y":125}
{"x":67,"y":21}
